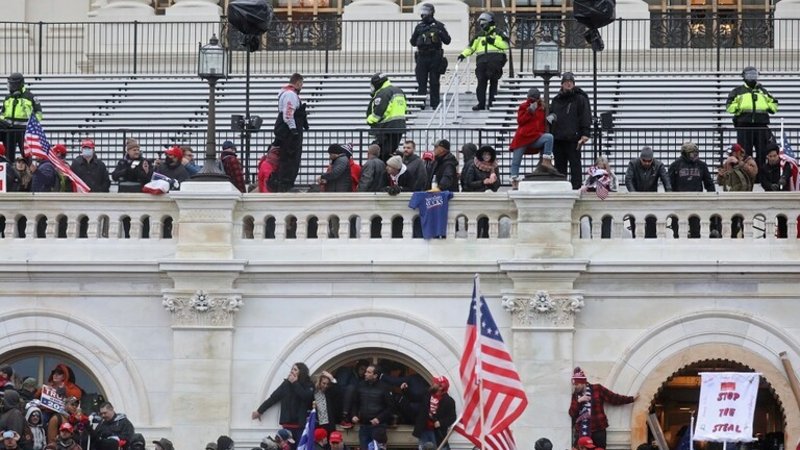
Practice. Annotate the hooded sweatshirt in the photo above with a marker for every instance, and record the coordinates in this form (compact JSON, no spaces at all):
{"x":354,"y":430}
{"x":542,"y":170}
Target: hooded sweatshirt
{"x":37,"y":438}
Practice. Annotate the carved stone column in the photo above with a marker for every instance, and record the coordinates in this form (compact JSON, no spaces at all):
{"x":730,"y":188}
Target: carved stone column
{"x":544,"y":305}
{"x":202,"y":347}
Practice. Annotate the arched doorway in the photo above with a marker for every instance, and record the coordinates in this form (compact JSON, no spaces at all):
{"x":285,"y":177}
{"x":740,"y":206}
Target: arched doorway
{"x":38,"y":362}
{"x":676,"y":402}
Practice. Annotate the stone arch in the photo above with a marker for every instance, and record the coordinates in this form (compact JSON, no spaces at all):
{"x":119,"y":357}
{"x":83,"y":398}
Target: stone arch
{"x":683,"y":340}
{"x":85,"y":341}
{"x":393,"y":330}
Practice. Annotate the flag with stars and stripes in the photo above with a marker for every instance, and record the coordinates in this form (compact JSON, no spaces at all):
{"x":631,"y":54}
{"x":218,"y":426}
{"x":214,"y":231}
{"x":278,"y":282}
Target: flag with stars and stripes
{"x":494,"y":396}
{"x":787,"y":156}
{"x":37,"y":145}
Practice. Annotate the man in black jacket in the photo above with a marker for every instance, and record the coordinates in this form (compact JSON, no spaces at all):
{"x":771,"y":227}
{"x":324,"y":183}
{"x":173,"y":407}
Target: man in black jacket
{"x":644,"y":172}
{"x":444,"y":169}
{"x":437,"y":414}
{"x":90,"y":169}
{"x":570,"y":124}
{"x":133,"y":171}
{"x":428,"y":37}
{"x":771,"y":175}
{"x":112,"y":430}
{"x":415,"y":166}
{"x":372,"y":404}
{"x":689,"y":173}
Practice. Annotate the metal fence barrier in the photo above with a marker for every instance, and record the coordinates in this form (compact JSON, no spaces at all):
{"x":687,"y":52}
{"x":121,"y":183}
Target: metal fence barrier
{"x":619,"y":145}
{"x":679,"y":42}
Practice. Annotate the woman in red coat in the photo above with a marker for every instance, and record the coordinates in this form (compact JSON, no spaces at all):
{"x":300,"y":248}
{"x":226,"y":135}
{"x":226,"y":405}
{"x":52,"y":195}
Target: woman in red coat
{"x":530,"y":137}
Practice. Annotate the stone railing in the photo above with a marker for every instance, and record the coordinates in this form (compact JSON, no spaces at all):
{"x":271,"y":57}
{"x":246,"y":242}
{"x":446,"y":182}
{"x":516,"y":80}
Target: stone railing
{"x":274,"y":218}
{"x":726,"y":215}
{"x":92,"y":217}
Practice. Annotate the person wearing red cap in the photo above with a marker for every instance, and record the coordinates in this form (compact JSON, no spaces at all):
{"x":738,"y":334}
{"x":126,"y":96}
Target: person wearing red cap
{"x":738,"y":172}
{"x":437,"y":414}
{"x":90,"y":169}
{"x":587,"y":408}
{"x":172,"y":166}
{"x":321,"y":439}
{"x":336,"y":441}
{"x":46,"y":177}
{"x":267,"y":168}
{"x":65,"y":440}
{"x":585,"y":443}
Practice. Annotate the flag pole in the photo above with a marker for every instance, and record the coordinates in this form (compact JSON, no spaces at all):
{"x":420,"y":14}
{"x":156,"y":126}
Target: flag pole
{"x":478,"y":368}
{"x":450,"y":432}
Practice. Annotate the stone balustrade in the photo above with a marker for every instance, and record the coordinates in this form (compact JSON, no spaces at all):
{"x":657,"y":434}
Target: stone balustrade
{"x":487,"y":226}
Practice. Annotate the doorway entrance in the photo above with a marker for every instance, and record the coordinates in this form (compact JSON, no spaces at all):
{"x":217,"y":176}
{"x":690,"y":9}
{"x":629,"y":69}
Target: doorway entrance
{"x":676,"y":402}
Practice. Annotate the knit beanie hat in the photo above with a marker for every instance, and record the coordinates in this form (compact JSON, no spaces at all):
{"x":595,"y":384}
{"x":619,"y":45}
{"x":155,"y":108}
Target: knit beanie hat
{"x":578,"y":376}
{"x":131,"y":143}
{"x":395,"y":162}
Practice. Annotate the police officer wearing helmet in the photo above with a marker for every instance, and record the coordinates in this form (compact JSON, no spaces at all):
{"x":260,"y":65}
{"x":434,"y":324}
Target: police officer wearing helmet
{"x":18,"y":106}
{"x":751,"y":106}
{"x":429,"y":36}
{"x":490,"y":48}
{"x":386,"y":114}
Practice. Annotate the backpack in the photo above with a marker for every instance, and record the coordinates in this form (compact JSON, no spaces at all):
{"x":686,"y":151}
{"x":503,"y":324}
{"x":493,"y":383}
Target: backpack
{"x":355,"y":174}
{"x":736,"y":180}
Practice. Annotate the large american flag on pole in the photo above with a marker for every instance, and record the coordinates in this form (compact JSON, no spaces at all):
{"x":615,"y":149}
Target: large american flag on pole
{"x":494,"y":396}
{"x":37,"y":145}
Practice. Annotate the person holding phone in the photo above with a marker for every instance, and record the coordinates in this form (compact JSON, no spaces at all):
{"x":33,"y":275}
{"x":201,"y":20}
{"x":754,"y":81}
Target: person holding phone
{"x":532,"y":136}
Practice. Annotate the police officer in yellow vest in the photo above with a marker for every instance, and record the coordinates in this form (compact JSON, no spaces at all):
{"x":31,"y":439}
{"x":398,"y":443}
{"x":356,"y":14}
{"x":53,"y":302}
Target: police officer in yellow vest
{"x":386,"y":114}
{"x":491,"y":47}
{"x":751,"y":106}
{"x":18,"y":107}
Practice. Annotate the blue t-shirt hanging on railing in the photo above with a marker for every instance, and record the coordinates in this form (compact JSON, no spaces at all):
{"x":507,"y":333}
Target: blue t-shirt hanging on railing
{"x":433,"y":208}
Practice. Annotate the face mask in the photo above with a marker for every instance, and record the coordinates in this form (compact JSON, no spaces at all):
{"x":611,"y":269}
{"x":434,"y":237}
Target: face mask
{"x":751,"y":77}
{"x":427,"y":18}
{"x":87,"y":153}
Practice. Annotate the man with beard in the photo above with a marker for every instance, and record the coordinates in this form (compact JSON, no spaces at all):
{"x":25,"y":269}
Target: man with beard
{"x":587,"y":409}
{"x":437,"y":414}
{"x":172,"y":166}
{"x":570,"y":124}
{"x":65,"y":440}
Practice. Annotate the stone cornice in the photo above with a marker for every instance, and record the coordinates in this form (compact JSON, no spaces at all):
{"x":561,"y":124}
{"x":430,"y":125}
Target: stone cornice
{"x":541,"y":310}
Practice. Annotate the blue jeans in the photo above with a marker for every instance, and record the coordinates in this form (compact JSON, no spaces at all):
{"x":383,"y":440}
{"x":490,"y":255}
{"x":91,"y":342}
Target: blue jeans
{"x":430,"y":436}
{"x":365,"y":434}
{"x":545,"y":142}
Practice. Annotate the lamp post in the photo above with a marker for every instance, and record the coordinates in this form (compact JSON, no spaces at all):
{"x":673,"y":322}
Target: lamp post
{"x":546,"y":64}
{"x":211,"y":66}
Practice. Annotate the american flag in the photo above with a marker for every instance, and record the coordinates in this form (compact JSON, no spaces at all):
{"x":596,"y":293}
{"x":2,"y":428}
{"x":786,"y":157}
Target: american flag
{"x":492,"y":387}
{"x":307,"y":438}
{"x":787,"y":157}
{"x":37,"y":145}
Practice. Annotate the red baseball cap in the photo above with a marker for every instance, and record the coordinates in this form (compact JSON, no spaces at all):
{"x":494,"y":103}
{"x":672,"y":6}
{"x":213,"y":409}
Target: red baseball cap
{"x":66,"y":426}
{"x":336,"y":437}
{"x":586,"y":441}
{"x":60,"y":149}
{"x":320,"y":434}
{"x":87,"y":143}
{"x":175,"y":152}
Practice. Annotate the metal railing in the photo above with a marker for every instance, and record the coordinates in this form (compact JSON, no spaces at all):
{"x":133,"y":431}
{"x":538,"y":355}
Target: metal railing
{"x":681,"y":42}
{"x":451,"y":101}
{"x":619,"y":145}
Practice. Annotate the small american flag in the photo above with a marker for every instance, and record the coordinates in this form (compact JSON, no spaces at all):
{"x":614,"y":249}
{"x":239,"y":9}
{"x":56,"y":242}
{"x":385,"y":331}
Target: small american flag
{"x":787,"y":157}
{"x":37,"y":145}
{"x":492,"y":386}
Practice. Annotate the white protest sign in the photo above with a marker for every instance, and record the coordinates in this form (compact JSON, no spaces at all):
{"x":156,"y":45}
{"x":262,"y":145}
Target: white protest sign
{"x":727,"y":405}
{"x":50,"y":399}
{"x":3,"y":168}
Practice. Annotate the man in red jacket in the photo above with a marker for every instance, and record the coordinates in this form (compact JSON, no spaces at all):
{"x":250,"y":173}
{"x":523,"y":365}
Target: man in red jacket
{"x":531,"y":137}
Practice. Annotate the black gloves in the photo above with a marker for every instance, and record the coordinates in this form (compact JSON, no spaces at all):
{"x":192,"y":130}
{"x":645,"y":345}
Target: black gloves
{"x":393,"y":190}
{"x":461,"y":58}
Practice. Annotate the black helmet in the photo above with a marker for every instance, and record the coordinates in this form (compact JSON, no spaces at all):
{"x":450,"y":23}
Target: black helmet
{"x":485,"y":20}
{"x":377,"y":81}
{"x":15,"y":82}
{"x":543,"y":444}
{"x":533,"y":93}
{"x":426,"y":11}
